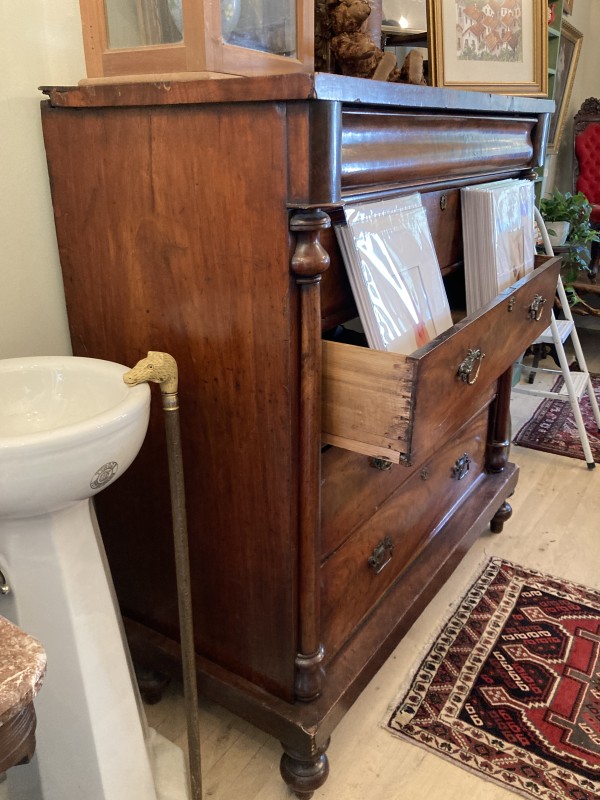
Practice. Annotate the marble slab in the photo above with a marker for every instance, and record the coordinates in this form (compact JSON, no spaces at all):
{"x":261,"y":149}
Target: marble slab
{"x":22,"y":669}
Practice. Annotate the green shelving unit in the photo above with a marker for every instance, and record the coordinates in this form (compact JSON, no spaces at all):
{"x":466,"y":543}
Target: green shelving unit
{"x":553,"y":44}
{"x":554,"y":31}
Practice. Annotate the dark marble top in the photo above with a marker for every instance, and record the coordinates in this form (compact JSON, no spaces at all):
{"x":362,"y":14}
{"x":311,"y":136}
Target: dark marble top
{"x":22,"y":669}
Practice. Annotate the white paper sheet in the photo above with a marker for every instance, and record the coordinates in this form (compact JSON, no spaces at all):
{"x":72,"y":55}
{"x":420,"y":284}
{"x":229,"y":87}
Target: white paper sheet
{"x":394,"y":273}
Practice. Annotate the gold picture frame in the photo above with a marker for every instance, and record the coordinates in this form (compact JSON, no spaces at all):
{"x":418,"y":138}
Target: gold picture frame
{"x":566,"y":65}
{"x":568,"y":6}
{"x":507,"y":50}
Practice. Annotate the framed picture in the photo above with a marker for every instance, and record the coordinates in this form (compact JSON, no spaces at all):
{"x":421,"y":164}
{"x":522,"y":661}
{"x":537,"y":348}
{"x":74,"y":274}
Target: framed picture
{"x":566,"y":65}
{"x":489,"y":46}
{"x":568,"y":6}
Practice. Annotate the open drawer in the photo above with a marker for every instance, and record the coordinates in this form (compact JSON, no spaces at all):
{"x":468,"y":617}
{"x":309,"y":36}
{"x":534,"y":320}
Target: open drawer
{"x":398,"y":407}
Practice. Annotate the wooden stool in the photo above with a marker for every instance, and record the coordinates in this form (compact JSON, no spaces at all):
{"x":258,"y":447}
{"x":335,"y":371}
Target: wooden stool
{"x":22,"y":669}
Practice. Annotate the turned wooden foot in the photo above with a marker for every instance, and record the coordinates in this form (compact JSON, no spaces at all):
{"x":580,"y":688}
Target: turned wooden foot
{"x":503,"y":514}
{"x":151,"y":684}
{"x":303,"y":772}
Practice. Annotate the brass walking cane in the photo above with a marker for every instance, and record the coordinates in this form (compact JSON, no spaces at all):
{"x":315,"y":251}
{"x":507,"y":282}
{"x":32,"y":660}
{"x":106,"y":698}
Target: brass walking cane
{"x":161,"y":368}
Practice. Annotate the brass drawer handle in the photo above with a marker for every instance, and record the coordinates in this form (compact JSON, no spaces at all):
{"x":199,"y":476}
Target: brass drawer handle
{"x":468,"y":365}
{"x":381,"y":555}
{"x":461,"y":467}
{"x":536,"y":309}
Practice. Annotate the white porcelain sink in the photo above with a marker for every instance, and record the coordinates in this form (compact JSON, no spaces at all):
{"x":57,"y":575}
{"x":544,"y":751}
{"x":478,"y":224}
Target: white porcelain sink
{"x":68,"y":428}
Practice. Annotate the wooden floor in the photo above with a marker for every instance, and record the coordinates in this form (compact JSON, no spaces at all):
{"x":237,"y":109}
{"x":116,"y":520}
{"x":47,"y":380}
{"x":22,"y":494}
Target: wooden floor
{"x":555,"y":528}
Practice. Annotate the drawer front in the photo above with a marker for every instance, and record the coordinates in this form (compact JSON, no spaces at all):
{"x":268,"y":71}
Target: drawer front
{"x":354,"y":486}
{"x":400,"y":407}
{"x":458,"y":365}
{"x":355,"y":577}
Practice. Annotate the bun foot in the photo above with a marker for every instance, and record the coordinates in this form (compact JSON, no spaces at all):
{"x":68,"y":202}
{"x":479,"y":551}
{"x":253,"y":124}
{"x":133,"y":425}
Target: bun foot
{"x":304,"y":772}
{"x":503,"y":514}
{"x":151,"y":684}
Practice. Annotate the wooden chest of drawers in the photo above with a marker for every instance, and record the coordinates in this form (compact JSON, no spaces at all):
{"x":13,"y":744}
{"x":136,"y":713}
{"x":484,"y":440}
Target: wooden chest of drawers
{"x":331,"y":489}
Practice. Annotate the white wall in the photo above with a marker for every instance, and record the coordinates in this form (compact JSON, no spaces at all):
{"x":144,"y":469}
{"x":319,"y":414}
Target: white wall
{"x":40,"y":43}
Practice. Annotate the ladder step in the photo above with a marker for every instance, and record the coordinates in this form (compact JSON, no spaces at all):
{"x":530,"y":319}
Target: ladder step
{"x":580,"y":383}
{"x":565,"y":328}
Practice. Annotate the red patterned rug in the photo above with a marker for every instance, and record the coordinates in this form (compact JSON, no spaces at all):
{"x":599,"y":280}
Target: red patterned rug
{"x":511,"y":687}
{"x":552,"y":428}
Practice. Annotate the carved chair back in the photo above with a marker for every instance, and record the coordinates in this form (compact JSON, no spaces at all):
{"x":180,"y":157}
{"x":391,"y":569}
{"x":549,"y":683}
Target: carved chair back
{"x":586,"y":162}
{"x":586,"y":167}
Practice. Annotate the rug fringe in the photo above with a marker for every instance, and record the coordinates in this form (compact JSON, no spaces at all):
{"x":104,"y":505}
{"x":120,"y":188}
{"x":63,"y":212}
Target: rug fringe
{"x":460,"y":766}
{"x":451,"y":610}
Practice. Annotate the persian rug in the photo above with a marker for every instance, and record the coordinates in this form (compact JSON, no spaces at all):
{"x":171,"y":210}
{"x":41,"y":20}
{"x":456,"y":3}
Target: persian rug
{"x":510,"y":689}
{"x":552,"y":427}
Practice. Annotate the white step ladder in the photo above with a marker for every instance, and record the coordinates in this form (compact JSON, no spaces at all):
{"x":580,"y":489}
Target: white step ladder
{"x":576,"y":384}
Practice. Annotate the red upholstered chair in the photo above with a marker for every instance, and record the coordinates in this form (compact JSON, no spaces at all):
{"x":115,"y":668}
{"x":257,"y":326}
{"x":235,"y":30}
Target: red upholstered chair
{"x":586,"y":164}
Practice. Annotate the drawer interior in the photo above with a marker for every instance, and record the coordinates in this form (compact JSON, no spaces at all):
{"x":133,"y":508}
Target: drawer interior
{"x":398,"y":407}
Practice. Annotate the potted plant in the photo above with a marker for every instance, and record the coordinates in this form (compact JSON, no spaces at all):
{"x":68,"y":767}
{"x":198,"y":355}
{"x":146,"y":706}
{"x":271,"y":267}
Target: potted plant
{"x":575,"y":210}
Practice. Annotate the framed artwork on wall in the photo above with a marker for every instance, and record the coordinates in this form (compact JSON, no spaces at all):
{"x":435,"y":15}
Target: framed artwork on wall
{"x":568,"y":6}
{"x":489,"y":47}
{"x":566,"y":65}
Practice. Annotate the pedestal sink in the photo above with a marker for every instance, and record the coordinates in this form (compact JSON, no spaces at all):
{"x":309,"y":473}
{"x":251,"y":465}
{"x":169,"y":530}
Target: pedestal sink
{"x":68,"y":428}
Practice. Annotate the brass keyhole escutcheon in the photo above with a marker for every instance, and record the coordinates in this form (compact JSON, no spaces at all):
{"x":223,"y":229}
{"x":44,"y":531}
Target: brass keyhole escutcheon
{"x":511,"y":304}
{"x":443,"y":202}
{"x":471,"y":363}
{"x":381,"y":555}
{"x":461,"y":467}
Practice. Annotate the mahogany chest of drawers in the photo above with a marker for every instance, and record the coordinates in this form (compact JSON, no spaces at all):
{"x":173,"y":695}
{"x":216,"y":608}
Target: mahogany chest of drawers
{"x":331,"y":489}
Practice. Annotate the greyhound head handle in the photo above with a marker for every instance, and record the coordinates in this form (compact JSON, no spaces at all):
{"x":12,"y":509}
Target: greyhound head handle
{"x":156,"y":367}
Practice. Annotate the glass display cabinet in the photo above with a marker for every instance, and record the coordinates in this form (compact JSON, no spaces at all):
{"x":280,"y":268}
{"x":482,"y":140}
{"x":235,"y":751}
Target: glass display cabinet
{"x":230,"y":37}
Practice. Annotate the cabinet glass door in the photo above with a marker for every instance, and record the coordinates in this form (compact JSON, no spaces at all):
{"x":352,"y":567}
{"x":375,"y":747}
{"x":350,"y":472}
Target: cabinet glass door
{"x":206,"y":37}
{"x":134,"y":23}
{"x":265,"y":25}
{"x":268,"y":26}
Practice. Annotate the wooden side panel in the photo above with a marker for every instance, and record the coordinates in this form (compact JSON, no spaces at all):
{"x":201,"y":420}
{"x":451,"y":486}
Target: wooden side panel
{"x":173,"y":235}
{"x":367,"y":400}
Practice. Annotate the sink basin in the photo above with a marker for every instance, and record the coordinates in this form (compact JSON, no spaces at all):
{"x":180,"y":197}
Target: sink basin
{"x":68,"y":427}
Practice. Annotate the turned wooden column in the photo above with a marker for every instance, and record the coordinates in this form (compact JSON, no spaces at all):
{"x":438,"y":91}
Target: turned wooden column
{"x":306,"y":769}
{"x":499,"y":442}
{"x":499,"y":436}
{"x":309,"y":262}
